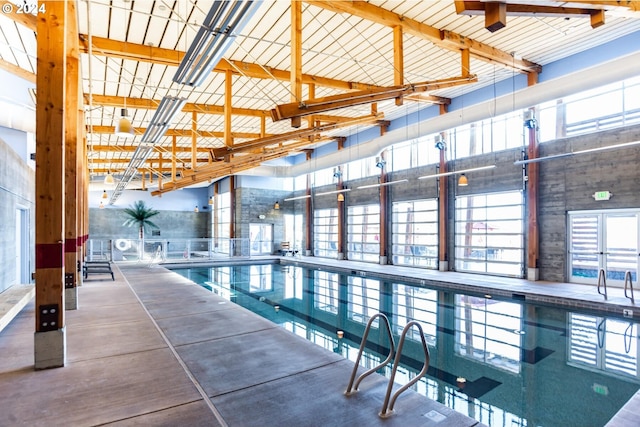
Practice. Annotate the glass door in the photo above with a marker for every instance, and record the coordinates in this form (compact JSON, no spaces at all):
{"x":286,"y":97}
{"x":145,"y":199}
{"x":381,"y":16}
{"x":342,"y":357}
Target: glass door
{"x":603,"y":240}
{"x":261,"y":236}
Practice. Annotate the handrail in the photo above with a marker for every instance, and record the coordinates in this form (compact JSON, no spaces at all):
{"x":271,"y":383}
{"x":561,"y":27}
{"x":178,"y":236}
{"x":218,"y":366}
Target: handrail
{"x":602,"y":280}
{"x":362,"y":346}
{"x":629,"y":282}
{"x":387,"y":406}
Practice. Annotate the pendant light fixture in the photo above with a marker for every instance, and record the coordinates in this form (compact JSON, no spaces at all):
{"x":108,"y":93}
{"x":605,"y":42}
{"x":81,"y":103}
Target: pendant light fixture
{"x":108,"y":179}
{"x":463,"y":181}
{"x":123,"y":127}
{"x":104,"y":194}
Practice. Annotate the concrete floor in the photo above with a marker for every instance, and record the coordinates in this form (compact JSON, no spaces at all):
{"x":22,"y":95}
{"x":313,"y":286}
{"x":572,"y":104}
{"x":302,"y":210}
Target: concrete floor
{"x":152,"y":348}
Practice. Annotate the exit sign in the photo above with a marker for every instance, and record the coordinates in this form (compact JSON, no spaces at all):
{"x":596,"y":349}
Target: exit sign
{"x":602,"y":195}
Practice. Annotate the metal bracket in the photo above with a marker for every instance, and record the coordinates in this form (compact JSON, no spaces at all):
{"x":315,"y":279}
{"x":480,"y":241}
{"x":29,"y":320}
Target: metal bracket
{"x":49,"y":317}
{"x":69,"y":280}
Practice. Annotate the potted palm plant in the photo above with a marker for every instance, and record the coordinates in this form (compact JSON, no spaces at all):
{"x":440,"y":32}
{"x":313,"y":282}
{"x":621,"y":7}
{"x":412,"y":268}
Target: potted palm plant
{"x":139,"y":215}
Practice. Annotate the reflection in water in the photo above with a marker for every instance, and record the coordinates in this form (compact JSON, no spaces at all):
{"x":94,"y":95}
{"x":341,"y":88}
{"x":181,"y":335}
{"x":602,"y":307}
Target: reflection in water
{"x":503,"y":363}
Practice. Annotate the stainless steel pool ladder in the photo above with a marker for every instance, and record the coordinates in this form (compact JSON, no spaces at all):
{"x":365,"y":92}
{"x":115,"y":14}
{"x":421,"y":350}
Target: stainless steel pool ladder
{"x":389,"y":401}
{"x":602,"y":281}
{"x":628,"y":283}
{"x":392,"y":345}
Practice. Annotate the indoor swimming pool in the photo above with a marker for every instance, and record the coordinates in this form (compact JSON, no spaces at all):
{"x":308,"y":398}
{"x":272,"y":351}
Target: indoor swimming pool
{"x":502,"y":362}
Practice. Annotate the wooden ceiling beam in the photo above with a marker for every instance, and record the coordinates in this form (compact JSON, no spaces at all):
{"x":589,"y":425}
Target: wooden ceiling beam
{"x":318,"y":105}
{"x":18,"y":71}
{"x":496,"y":12}
{"x":442,"y":38}
{"x":148,"y":161}
{"x":175,"y":132}
{"x":293,"y":135}
{"x":136,"y":52}
{"x":132,"y":148}
{"x":152,"y":104}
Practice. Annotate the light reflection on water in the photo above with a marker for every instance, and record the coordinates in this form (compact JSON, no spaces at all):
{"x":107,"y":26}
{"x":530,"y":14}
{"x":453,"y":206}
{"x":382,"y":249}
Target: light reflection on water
{"x":504,"y":363}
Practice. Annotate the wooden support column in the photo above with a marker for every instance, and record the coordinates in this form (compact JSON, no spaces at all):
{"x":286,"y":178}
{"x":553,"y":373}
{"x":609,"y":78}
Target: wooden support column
{"x":398,"y":60}
{"x":384,"y":212}
{"x":308,"y":212}
{"x":83,"y":179}
{"x":174,"y":152}
{"x":443,"y":203}
{"x":532,"y":202}
{"x":50,"y":336}
{"x":296,"y":57}
{"x":342,"y":215}
{"x":232,"y":207}
{"x":143,"y":178}
{"x":312,"y":94}
{"x":160,"y":171}
{"x":194,"y":140}
{"x":465,"y":61}
{"x":71,"y":170}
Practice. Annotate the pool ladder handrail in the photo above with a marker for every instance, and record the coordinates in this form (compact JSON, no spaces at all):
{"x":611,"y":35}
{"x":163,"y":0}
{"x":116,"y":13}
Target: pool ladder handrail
{"x":363,"y":344}
{"x":602,"y":281}
{"x":387,"y":406}
{"x":628,"y":283}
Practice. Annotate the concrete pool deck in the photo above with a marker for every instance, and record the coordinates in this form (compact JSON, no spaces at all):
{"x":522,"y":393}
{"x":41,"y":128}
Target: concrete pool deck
{"x":152,"y":348}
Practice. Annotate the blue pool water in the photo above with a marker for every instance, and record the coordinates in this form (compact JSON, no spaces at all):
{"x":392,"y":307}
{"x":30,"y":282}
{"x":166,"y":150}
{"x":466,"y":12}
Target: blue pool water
{"x":524,"y":364}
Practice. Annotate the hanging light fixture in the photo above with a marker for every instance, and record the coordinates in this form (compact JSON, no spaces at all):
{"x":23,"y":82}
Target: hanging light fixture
{"x":276,"y":206}
{"x":104,"y":194}
{"x":463,"y":181}
{"x":210,"y":201}
{"x":340,"y":197}
{"x":101,"y":205}
{"x":196,"y":209}
{"x":108,"y":179}
{"x":123,"y":127}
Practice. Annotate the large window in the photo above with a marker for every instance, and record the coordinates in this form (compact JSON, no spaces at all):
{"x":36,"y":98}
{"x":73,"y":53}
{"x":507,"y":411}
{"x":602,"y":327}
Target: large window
{"x":325,"y":233}
{"x":486,"y":136}
{"x":489,"y":330}
{"x":363,"y":233}
{"x":490,"y":234}
{"x":293,"y":230}
{"x":415,"y":233}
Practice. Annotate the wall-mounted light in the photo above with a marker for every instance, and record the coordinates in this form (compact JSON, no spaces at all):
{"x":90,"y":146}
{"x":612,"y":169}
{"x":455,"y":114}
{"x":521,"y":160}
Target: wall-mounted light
{"x":276,"y":206}
{"x":380,"y":162}
{"x":123,"y":127}
{"x":589,"y":150}
{"x":463,"y":181}
{"x":104,"y":194}
{"x":344,"y":190}
{"x":440,"y":143}
{"x":210,"y":201}
{"x":340,"y":197}
{"x":438,"y":175}
{"x":337,"y":173}
{"x":196,"y":209}
{"x":382,"y":184}
{"x":306,"y":196}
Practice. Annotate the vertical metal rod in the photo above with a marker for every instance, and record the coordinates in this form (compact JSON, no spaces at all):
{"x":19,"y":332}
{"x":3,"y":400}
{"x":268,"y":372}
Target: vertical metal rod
{"x":362,"y":346}
{"x":602,"y":281}
{"x":628,"y":283}
{"x":387,"y":406}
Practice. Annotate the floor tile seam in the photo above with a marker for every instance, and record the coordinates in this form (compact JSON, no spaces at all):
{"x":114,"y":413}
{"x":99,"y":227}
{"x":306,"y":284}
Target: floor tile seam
{"x":293,"y":374}
{"x":154,"y":348}
{"x":144,"y":414}
{"x":181,"y":362}
{"x":241,"y":334}
{"x":192,"y":314}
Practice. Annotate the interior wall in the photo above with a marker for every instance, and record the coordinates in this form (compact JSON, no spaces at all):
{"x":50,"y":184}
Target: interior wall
{"x":17,"y":191}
